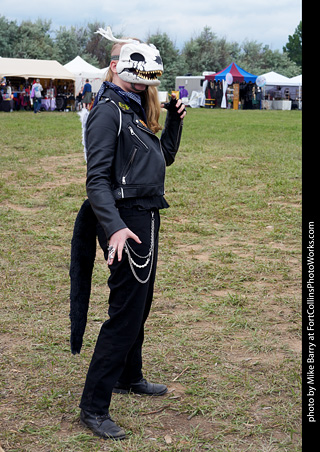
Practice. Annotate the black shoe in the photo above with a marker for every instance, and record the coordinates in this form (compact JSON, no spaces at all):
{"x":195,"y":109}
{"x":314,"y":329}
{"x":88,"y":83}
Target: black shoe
{"x":102,"y":425}
{"x":142,"y":387}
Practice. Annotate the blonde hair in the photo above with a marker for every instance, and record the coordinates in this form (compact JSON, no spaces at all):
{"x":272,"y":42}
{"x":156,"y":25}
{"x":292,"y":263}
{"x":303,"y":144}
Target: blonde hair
{"x":149,"y":98}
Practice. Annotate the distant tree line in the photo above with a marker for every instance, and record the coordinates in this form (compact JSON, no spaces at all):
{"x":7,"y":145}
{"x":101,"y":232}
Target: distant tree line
{"x":205,"y":52}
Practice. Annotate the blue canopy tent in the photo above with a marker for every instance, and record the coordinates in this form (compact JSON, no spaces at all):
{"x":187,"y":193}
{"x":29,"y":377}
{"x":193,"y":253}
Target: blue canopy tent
{"x":238,"y":74}
{"x":218,"y":96}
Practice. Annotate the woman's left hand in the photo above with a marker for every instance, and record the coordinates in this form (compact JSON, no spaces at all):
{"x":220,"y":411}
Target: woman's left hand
{"x":117,"y":241}
{"x":175,"y":106}
{"x":181,"y":108}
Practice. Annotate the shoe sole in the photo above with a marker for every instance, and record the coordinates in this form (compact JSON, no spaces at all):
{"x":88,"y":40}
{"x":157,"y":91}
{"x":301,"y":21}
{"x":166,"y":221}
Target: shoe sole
{"x":130,"y":391}
{"x":114,"y":438}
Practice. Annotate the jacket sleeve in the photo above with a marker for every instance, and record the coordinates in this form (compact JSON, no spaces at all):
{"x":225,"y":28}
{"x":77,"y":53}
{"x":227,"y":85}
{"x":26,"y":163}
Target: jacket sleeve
{"x":101,"y":140}
{"x":171,"y":136}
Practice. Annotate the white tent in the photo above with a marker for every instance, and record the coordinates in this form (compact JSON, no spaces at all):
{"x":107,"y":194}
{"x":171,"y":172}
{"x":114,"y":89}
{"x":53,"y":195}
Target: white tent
{"x":297,"y":80}
{"x":83,"y":71}
{"x":28,"y":69}
{"x":282,"y":90}
{"x":275,"y":79}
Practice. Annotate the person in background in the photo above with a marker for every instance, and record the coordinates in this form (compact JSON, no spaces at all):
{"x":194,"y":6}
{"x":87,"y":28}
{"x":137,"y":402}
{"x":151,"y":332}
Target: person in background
{"x":26,"y":99}
{"x":78,"y":101}
{"x":36,"y":95}
{"x":87,"y":95}
{"x":9,"y":89}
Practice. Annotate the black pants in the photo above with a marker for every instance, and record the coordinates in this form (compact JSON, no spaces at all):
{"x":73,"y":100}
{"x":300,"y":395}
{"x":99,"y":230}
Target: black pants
{"x":117,"y":355}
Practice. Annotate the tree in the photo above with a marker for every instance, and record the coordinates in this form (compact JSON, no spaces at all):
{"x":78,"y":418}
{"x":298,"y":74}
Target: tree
{"x":206,"y":52}
{"x":201,"y":53}
{"x":279,"y":62}
{"x":97,"y":46}
{"x":68,"y":45}
{"x":251,"y":56}
{"x":8,"y":37}
{"x":259,"y":59}
{"x":172,"y":63}
{"x":294,"y":46}
{"x":227,"y":52}
{"x":34,"y":41}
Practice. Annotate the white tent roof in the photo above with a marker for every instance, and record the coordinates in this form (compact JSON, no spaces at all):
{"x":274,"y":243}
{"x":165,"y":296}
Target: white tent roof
{"x":297,"y":80}
{"x":275,"y":79}
{"x":19,"y":67}
{"x":80,"y":67}
{"x":83,"y":70}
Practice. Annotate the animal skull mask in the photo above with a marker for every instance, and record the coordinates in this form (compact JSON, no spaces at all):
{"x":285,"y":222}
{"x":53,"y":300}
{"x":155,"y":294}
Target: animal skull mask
{"x":138,"y":62}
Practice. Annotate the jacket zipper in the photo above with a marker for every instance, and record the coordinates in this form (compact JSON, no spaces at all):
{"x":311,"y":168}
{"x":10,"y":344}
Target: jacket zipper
{"x":127,"y":169}
{"x":150,"y":133}
{"x":137,"y":136}
{"x":132,"y":132}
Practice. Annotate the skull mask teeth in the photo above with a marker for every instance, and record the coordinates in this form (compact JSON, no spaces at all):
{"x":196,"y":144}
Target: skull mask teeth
{"x":140,"y":63}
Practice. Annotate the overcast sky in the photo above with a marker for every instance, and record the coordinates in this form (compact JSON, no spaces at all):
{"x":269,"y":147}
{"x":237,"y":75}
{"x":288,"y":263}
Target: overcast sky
{"x":269,"y":22}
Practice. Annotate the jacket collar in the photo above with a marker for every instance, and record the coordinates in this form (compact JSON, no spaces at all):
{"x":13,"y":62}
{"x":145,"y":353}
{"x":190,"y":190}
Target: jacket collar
{"x":127,"y":101}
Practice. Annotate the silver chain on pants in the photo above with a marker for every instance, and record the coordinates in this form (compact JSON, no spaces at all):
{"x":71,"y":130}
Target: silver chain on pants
{"x":149,"y":257}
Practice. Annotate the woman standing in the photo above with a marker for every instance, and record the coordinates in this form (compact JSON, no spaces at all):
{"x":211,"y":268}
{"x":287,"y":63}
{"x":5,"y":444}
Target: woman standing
{"x":125,"y":186}
{"x":87,"y":94}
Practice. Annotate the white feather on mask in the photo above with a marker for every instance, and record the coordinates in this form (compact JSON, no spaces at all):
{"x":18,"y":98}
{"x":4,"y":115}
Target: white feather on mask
{"x":108,"y":35}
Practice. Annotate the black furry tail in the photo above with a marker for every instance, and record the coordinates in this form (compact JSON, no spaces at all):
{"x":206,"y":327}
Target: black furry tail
{"x":83,"y":252}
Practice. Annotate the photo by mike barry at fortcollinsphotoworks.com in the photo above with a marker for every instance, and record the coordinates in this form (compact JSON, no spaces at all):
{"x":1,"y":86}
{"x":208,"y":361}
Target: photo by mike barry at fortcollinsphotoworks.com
{"x":309,"y":364}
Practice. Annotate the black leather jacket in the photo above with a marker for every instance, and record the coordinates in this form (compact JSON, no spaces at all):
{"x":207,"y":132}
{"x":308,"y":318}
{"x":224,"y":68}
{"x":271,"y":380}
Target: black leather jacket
{"x":124,"y":158}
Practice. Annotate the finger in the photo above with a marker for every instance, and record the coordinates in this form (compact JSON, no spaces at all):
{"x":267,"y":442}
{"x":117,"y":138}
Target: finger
{"x":180,"y":105}
{"x":181,"y":108}
{"x":184,"y":112}
{"x":120,"y":249}
{"x":135,"y":237}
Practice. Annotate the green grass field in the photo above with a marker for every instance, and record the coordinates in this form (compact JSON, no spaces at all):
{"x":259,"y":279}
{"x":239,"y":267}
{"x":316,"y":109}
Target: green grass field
{"x":225,"y":330}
